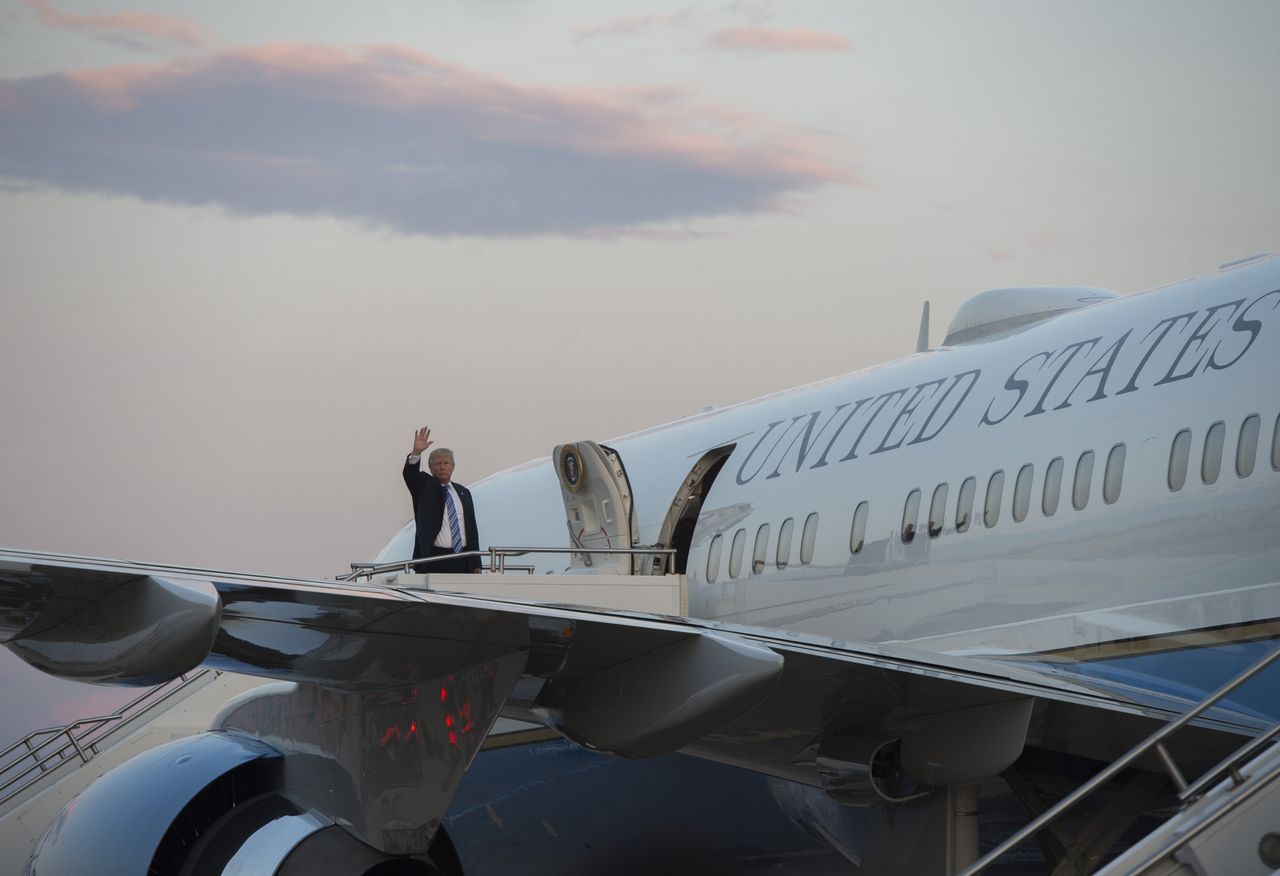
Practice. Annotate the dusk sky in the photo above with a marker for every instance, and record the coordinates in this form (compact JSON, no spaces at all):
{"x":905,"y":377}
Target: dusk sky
{"x":247,"y":248}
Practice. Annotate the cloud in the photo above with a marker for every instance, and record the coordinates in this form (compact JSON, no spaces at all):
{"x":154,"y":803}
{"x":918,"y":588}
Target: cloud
{"x":400,"y":139}
{"x":764,"y":39}
{"x":136,"y":30}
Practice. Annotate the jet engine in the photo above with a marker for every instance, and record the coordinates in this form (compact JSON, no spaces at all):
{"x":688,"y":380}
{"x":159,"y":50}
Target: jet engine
{"x":211,"y":805}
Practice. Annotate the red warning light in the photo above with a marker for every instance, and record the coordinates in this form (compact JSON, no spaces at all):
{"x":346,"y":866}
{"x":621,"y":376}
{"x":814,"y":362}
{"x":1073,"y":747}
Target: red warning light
{"x":453,"y":738}
{"x":448,"y":720}
{"x":444,"y":694}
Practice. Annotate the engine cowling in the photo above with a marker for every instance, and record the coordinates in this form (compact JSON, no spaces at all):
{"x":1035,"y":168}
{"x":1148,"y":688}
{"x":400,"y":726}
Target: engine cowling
{"x":210,"y":805}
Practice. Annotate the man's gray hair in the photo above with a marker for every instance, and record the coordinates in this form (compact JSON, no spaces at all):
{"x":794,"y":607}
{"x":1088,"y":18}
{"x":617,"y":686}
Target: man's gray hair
{"x":439,"y":451}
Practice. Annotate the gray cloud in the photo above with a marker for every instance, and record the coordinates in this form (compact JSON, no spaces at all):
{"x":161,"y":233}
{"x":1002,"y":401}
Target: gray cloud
{"x":398,"y":139}
{"x":134,"y":30}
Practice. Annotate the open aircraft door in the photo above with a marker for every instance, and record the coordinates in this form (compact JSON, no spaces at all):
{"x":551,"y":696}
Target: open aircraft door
{"x":682,"y":514}
{"x":597,"y":505}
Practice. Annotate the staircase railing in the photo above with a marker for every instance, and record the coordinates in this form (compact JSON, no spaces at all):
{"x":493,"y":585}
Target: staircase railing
{"x":42,"y":752}
{"x":1154,"y":742}
{"x":497,"y":557}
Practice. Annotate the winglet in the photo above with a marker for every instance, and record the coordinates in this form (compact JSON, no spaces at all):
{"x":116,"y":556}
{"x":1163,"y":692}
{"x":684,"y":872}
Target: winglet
{"x":922,"y":339}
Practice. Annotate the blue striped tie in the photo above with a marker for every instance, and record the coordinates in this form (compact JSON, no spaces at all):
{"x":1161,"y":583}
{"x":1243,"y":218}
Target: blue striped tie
{"x":455,"y":531}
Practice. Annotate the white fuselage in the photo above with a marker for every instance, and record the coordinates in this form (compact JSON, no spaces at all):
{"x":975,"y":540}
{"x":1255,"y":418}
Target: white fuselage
{"x":1136,"y":561}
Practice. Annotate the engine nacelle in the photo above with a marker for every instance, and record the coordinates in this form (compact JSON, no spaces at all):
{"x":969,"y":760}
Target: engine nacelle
{"x":207,"y":805}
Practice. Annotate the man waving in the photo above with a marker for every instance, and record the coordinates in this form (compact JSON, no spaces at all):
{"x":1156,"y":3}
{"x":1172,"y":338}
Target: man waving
{"x":442,"y":510}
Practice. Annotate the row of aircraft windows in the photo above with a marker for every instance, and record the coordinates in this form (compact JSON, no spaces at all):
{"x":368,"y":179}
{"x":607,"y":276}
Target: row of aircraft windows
{"x":1113,"y":478}
{"x":1051,"y":493}
{"x":1023,"y":485}
{"x":1211,"y":454}
{"x":760,"y":552}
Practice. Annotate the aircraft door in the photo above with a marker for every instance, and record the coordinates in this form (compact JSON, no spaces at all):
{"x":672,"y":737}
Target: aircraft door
{"x":682,"y":515}
{"x":598,"y":506}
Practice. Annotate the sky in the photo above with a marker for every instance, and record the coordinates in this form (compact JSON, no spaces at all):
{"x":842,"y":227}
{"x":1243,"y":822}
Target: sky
{"x":246,"y":249}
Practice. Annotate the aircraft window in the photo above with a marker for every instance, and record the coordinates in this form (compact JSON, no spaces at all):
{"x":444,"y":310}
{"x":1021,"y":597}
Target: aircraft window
{"x":1052,"y":487}
{"x":858,"y":534}
{"x":995,"y":491}
{"x":1211,"y":462}
{"x":1113,"y":476}
{"x":762,"y":547}
{"x":937,"y":511}
{"x":964,"y":504}
{"x":910,"y":516}
{"x":713,"y":560}
{"x":1275,"y":446}
{"x":807,"y":538}
{"x":735,"y":553}
{"x":1247,"y":447}
{"x":784,"y":542}
{"x":1179,"y":455}
{"x":1022,"y":492}
{"x":1084,"y":474}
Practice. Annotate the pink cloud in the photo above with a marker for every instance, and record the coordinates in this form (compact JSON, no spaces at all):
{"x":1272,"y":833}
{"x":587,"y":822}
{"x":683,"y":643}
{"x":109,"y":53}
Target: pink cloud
{"x":395,"y":137}
{"x":133,"y":29}
{"x":763,"y":39}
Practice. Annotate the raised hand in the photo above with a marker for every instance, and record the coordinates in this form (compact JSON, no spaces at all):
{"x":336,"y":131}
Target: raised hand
{"x":421,"y":441}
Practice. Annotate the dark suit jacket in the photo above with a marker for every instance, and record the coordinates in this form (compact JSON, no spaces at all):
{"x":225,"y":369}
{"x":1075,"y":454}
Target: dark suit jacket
{"x":428,"y":513}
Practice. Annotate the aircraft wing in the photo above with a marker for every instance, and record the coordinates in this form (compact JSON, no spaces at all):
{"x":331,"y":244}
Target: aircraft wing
{"x":439,"y":668}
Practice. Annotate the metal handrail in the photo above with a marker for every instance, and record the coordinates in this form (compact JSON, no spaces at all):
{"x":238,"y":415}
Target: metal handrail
{"x":497,"y":559}
{"x":501,"y":553}
{"x":1154,"y":742}
{"x":1230,"y":765}
{"x":72,"y":741}
{"x":368,"y":570}
{"x":1211,"y":819}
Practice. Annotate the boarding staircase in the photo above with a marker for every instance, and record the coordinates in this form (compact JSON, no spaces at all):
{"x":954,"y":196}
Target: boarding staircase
{"x":1228,"y":822}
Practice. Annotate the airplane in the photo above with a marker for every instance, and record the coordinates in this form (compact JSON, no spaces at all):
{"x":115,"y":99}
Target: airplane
{"x":916,"y":604}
